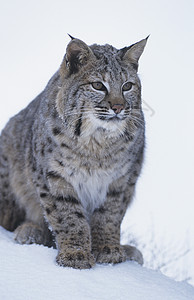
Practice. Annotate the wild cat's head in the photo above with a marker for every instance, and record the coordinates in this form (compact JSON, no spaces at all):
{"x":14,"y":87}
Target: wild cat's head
{"x":100,"y":88}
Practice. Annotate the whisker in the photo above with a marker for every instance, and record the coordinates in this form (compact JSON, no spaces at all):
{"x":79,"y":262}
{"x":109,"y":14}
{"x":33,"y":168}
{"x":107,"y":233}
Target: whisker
{"x":137,"y":121}
{"x":74,"y":121}
{"x":83,"y":116}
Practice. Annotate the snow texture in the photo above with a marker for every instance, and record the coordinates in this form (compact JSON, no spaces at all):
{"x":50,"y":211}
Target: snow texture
{"x":30,"y":272}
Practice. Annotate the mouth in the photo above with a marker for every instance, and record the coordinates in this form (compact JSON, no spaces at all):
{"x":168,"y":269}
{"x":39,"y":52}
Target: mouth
{"x":112,"y":118}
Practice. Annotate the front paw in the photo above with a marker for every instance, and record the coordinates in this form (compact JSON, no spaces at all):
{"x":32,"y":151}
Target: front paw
{"x":75,"y":258}
{"x":111,"y":255}
{"x":28,"y":233}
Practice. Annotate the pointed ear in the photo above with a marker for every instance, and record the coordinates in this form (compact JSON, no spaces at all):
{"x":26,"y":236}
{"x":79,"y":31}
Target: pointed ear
{"x":133,"y":52}
{"x":77,"y":55}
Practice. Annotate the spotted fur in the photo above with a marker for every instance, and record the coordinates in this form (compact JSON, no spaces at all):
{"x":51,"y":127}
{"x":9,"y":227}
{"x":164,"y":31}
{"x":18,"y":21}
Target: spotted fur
{"x":70,"y":160}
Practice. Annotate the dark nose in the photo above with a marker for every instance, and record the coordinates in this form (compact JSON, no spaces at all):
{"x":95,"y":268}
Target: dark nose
{"x":117,"y":108}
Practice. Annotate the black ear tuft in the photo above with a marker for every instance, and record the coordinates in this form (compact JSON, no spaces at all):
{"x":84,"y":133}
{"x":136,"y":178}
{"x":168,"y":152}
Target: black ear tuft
{"x":71,"y":37}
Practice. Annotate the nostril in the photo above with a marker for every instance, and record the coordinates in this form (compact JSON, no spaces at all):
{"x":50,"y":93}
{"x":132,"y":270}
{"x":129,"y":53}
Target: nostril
{"x":117,"y":108}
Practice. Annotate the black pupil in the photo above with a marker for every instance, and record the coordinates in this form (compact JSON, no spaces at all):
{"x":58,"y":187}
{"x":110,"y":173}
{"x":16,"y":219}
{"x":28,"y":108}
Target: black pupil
{"x":98,"y":85}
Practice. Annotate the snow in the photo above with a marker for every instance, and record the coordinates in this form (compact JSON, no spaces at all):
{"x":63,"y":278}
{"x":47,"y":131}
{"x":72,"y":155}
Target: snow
{"x":161,"y":217}
{"x":30,"y":272}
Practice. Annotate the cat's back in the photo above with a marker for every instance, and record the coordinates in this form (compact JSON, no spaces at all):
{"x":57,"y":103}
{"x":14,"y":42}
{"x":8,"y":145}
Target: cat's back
{"x":16,"y":131}
{"x":19,"y":128}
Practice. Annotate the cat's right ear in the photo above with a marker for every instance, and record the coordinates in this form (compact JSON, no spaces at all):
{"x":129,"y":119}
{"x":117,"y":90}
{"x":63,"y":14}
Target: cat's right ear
{"x":77,"y":55}
{"x":132,"y":53}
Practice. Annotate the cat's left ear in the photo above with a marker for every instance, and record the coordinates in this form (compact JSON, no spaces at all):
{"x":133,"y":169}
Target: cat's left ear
{"x":133,"y":52}
{"x":77,"y":55}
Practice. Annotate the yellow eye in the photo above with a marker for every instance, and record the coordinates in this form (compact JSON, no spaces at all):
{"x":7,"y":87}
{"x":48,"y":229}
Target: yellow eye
{"x":98,"y":86}
{"x":127,"y":86}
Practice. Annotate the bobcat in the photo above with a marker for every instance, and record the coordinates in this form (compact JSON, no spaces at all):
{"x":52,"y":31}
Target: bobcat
{"x":70,"y":160}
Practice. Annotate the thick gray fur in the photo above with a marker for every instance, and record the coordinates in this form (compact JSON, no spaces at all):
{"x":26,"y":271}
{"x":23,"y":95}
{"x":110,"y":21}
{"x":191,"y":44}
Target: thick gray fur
{"x":69,"y":162}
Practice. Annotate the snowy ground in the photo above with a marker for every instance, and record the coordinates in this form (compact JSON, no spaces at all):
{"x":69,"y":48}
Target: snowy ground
{"x":29,"y":272}
{"x":33,"y":42}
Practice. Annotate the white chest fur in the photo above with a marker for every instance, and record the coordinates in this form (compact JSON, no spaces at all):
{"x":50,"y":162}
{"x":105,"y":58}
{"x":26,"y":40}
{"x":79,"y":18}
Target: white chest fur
{"x":92,"y":188}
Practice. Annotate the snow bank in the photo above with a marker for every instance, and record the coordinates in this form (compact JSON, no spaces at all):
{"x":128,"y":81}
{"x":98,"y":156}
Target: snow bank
{"x":29,"y":272}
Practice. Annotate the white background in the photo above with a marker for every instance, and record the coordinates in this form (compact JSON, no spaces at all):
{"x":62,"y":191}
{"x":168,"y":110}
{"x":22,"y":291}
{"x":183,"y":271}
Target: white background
{"x":33,"y":39}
